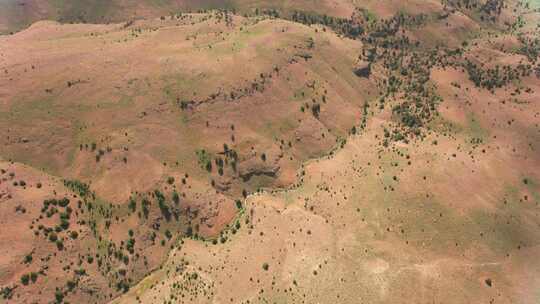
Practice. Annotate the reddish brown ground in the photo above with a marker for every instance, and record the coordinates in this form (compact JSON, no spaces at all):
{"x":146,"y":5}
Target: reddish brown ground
{"x":453,"y":216}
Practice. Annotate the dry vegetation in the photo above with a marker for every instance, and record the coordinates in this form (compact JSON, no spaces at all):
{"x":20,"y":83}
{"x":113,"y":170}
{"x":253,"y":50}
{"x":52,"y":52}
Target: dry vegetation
{"x":270,"y":153}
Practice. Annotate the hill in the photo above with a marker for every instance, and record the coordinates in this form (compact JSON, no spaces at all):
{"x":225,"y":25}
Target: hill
{"x":16,"y":15}
{"x":306,"y":156}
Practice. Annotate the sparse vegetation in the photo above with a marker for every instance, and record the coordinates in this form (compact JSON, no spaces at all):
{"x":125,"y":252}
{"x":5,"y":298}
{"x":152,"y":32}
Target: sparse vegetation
{"x":392,"y":111}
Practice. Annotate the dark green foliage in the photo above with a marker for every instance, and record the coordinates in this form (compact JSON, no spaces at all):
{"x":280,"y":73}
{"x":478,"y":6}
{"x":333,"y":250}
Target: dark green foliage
{"x":6,"y":292}
{"x":64,"y":202}
{"x":122,"y":286}
{"x":28,"y":258}
{"x":64,"y":224}
{"x":79,"y":187}
{"x":341,"y":25}
{"x":162,"y":205}
{"x":80,"y":272}
{"x":530,"y":48}
{"x":176,"y":197}
{"x":145,"y":207}
{"x":59,"y":296}
{"x":132,"y":205}
{"x":268,"y":12}
{"x":130,"y":246}
{"x":25,"y":279}
{"x":204,"y":160}
{"x":497,"y":77}
{"x":33,"y":277}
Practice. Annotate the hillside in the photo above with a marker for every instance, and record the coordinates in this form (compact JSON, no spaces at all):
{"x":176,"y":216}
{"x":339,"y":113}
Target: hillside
{"x":376,"y":151}
{"x":19,"y":14}
{"x":16,"y":15}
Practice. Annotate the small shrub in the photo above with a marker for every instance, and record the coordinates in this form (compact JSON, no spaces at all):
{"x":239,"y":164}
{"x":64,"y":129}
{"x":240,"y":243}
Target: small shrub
{"x":33,"y":277}
{"x":25,"y":279}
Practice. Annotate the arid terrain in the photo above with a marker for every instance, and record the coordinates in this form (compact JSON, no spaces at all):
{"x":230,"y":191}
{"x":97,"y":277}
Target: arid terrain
{"x":242,"y":151}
